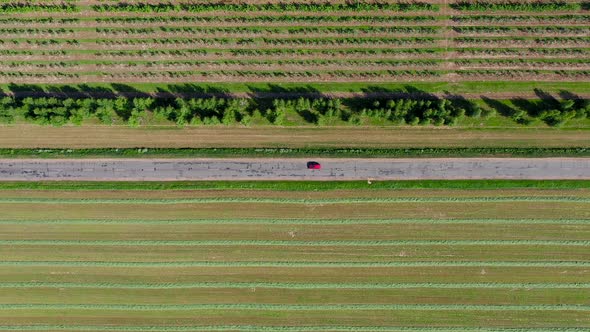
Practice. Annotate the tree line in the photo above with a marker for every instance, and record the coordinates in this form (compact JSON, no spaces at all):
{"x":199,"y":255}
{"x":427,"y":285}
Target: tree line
{"x":247,"y":111}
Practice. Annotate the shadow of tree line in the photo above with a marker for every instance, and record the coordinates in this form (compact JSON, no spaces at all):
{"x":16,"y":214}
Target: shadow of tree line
{"x":552,"y":109}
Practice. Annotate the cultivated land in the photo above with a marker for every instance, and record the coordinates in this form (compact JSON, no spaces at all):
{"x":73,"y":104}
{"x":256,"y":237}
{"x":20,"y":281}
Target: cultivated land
{"x":152,"y":78}
{"x":128,"y":259}
{"x":266,"y":41}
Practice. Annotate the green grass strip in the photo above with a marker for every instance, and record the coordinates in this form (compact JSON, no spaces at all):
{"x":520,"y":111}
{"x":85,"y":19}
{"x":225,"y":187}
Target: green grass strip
{"x":260,"y":328}
{"x":294,"y":285}
{"x":293,"y":307}
{"x":291,"y":243}
{"x":298,"y":185}
{"x":209,"y":200}
{"x":300,"y":264}
{"x":294,"y":221}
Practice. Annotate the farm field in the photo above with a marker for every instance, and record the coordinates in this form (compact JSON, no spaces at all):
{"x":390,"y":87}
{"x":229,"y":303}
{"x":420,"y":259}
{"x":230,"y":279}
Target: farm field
{"x":93,"y":41}
{"x":305,"y":258}
{"x":375,"y":137}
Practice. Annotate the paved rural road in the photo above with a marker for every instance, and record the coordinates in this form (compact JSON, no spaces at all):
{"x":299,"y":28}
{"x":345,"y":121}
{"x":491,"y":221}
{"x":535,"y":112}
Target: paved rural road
{"x":294,"y":169}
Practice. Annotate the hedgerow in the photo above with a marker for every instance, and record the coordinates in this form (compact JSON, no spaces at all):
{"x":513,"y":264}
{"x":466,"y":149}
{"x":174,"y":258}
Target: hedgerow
{"x":208,"y":111}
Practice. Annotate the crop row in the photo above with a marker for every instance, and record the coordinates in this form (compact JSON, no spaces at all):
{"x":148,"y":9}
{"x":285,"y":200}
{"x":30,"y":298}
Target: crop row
{"x":510,"y":40}
{"x":523,"y":29}
{"x":307,"y":74}
{"x":228,"y":52}
{"x":265,"y":19}
{"x":523,"y":62}
{"x":38,"y":20}
{"x":50,"y":31}
{"x":293,"y":19}
{"x":273,"y":74}
{"x":312,"y":41}
{"x":521,"y":19}
{"x":354,"y":41}
{"x":32,"y":53}
{"x":276,"y":7}
{"x":27,"y":7}
{"x":268,"y":31}
{"x":20,"y":74}
{"x":310,"y":63}
{"x":324,"y":31}
{"x":226,"y":62}
{"x":511,"y":5}
{"x":263,"y":52}
{"x":516,"y":52}
{"x":39,"y":42}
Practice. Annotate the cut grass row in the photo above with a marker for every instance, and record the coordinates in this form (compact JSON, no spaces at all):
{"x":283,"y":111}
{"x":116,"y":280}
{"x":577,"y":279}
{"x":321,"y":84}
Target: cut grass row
{"x":482,"y":272}
{"x":352,"y":317}
{"x":298,"y":255}
{"x":296,"y":230}
{"x":317,"y":296}
{"x":416,"y":210}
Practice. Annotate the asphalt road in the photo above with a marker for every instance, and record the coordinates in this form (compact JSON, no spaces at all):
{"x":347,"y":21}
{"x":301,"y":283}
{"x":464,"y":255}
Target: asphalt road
{"x":293,"y":169}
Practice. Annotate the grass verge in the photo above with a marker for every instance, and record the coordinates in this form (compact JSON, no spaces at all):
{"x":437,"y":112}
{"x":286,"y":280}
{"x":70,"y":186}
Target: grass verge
{"x":299,"y":185}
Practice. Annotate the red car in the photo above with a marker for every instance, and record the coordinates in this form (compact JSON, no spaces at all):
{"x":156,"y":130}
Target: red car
{"x":313,"y":165}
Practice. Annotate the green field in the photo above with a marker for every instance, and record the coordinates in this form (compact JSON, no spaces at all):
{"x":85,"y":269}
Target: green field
{"x":398,"y":256}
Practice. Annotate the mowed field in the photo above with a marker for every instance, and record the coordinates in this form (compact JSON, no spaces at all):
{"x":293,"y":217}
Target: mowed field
{"x":100,"y":136}
{"x":297,"y":260}
{"x":270,"y":41}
